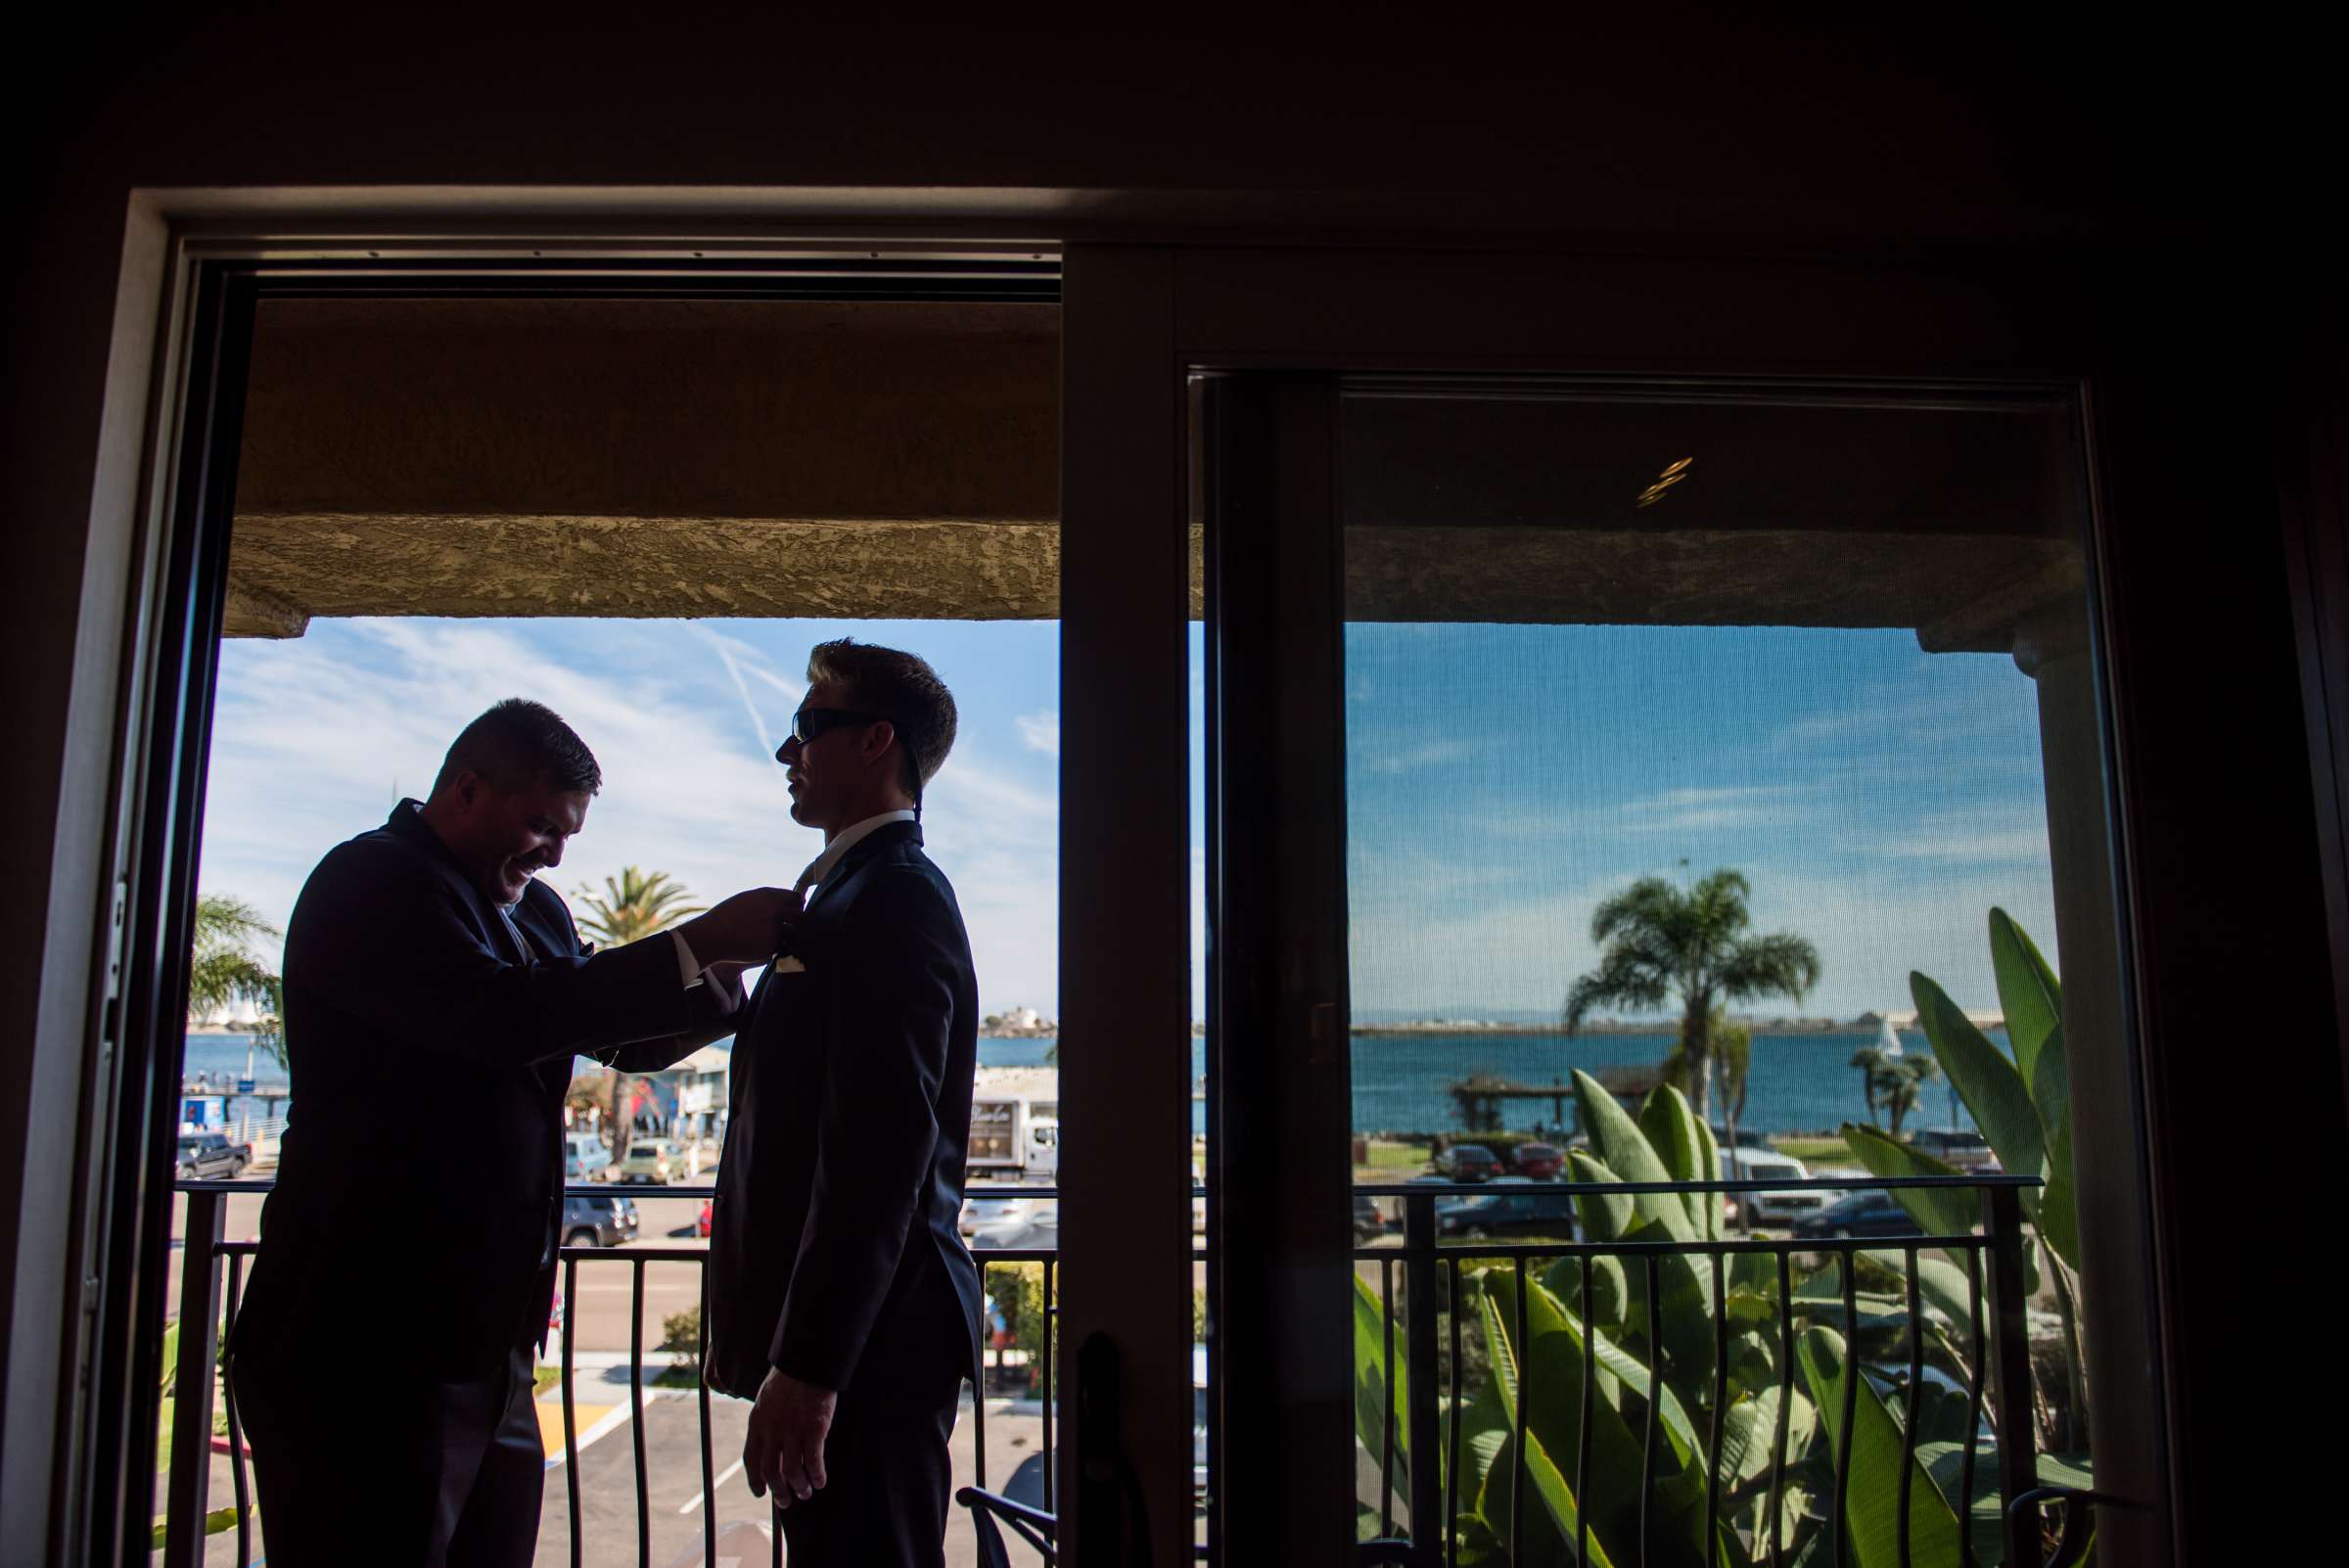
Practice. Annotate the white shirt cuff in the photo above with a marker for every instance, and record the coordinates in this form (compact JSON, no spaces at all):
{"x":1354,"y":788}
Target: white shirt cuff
{"x":689,"y":968}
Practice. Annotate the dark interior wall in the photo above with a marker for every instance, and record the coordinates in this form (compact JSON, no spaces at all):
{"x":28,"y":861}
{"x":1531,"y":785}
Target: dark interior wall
{"x":1682,"y":131}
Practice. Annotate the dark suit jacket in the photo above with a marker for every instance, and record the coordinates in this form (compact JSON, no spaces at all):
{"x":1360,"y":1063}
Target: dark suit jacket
{"x":833,"y":1248}
{"x":429,"y":1062}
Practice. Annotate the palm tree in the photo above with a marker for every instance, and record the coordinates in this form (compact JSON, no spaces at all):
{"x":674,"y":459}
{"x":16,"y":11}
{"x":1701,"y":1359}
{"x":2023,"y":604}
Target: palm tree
{"x":1657,"y":941}
{"x":1866,"y":1059}
{"x":224,"y":968}
{"x":1896,"y":1082}
{"x":633,"y":905}
{"x":1732,"y":1060}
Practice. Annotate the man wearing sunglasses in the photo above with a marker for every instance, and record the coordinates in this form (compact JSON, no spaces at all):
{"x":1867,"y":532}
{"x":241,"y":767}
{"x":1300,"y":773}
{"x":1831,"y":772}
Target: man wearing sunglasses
{"x":841,"y":1298}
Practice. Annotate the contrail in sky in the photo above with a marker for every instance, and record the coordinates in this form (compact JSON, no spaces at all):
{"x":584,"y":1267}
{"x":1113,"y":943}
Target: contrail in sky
{"x":742,"y":689}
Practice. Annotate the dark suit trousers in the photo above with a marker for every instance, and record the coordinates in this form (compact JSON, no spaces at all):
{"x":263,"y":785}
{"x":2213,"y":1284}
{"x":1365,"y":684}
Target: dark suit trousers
{"x":403,"y":1475}
{"x":887,"y":1480}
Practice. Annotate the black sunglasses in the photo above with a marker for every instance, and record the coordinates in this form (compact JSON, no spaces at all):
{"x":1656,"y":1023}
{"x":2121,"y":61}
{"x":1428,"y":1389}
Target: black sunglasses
{"x":811,"y":723}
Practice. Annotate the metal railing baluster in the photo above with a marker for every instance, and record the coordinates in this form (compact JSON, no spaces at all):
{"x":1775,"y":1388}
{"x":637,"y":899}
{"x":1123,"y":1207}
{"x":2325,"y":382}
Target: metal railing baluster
{"x":1720,"y":1396}
{"x":571,"y":1418}
{"x":1655,"y":1401}
{"x":2018,"y":1468}
{"x":236,"y":1431}
{"x":1908,"y":1411}
{"x":644,"y":1485}
{"x":1451,"y":1477}
{"x":1973,"y":1407}
{"x":1777,"y":1447}
{"x":1051,"y":1325}
{"x":979,"y":1392}
{"x":1422,"y":1420}
{"x":1385,"y":1412}
{"x":1518,"y":1469}
{"x":1845,"y":1265}
{"x":1581,"y":1436}
{"x":188,"y":1491}
{"x":701,"y":1392}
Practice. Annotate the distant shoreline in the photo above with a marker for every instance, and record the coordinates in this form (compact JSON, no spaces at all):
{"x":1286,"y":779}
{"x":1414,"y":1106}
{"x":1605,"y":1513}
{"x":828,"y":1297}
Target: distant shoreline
{"x":1448,"y":1026}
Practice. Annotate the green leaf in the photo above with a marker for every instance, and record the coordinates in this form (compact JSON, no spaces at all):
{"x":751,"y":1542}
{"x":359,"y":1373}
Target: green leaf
{"x":214,"y":1522}
{"x":1549,"y":1312}
{"x":1944,"y":1462}
{"x":1627,"y":1153}
{"x":1941,"y":1211}
{"x":2058,"y":1201}
{"x":1708,"y":1164}
{"x":1872,"y":1485}
{"x":1484,"y":1424}
{"x":1552,"y":1526}
{"x":1672,"y":1131}
{"x":2050,"y":1080}
{"x":1610,"y":1294}
{"x":1604,"y":1216}
{"x":1992,"y":1089}
{"x":1551,"y":1366}
{"x":2029,"y":993}
{"x":1940,"y":1283}
{"x":1750,"y":1431}
{"x":1549,"y":1516}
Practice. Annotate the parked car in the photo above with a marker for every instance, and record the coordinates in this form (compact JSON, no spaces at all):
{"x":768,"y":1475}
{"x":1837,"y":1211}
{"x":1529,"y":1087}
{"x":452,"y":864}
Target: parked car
{"x":656,"y":1161}
{"x":1968,"y":1151}
{"x":584,"y":1157}
{"x":1369,"y":1220}
{"x":1467,"y":1162}
{"x":1747,"y":1137}
{"x":1542,"y":1161}
{"x":598,"y":1222}
{"x":1780,"y":1208}
{"x":1859,"y":1214}
{"x":1512,"y":1211}
{"x":208,"y":1156}
{"x":1013,"y":1222}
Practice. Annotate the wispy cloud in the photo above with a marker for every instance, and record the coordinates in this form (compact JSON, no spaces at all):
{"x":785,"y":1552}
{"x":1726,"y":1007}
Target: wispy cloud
{"x":1040,"y":732}
{"x":315,"y":739}
{"x":1428,"y":756}
{"x":1899,"y":721}
{"x":2012,"y":833}
{"x":1689,"y":810}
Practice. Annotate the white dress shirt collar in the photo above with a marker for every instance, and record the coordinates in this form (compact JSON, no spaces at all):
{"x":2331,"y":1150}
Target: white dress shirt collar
{"x":821,"y":867}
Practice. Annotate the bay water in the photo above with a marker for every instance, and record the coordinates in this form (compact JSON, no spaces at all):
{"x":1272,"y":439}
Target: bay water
{"x":1401,"y":1081}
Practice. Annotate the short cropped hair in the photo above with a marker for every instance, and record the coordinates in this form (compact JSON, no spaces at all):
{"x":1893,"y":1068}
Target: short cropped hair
{"x":519,"y":742}
{"x":902,"y":689}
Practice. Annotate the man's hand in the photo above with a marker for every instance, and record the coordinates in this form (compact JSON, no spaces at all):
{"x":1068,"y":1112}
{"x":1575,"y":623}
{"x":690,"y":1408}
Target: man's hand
{"x":784,"y":1448}
{"x":747,"y":928}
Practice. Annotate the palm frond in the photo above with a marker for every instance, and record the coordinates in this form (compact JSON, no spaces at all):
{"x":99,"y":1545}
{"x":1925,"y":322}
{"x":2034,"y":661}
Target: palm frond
{"x":633,"y":905}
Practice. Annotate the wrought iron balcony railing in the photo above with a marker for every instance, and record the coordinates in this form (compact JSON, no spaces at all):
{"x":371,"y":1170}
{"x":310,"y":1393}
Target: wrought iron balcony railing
{"x":1421,"y":1384}
{"x":211,"y":1282}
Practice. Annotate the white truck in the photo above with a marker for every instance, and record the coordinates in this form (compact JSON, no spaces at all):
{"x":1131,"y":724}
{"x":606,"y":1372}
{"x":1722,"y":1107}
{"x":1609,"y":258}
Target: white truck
{"x":1014,"y":1137}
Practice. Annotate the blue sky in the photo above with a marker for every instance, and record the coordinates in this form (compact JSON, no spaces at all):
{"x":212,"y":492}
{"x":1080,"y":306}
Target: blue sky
{"x":1501,"y":779}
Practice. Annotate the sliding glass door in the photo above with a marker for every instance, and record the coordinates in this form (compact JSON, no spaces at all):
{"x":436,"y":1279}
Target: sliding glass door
{"x":1645,"y":816}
